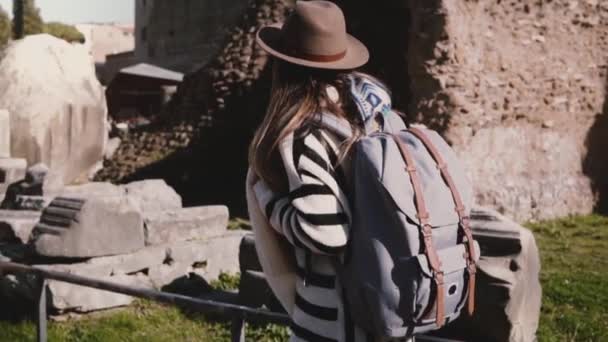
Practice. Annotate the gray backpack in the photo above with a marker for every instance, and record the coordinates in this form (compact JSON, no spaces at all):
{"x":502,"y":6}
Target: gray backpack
{"x":410,"y":263}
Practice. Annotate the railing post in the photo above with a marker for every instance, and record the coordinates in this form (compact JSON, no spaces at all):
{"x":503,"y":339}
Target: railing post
{"x":238,"y":329}
{"x":42,"y":314}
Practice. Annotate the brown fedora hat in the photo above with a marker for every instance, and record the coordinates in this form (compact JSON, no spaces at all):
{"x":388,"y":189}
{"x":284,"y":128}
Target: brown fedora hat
{"x":314,"y":36}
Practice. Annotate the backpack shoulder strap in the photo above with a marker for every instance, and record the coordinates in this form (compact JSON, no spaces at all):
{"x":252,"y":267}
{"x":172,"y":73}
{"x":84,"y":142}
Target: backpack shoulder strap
{"x":460,"y":209}
{"x":425,"y":230}
{"x":393,"y":122}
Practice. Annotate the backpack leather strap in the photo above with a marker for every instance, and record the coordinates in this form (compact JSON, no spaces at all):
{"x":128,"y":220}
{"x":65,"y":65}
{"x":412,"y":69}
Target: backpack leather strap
{"x":460,"y":210}
{"x":426,"y":231}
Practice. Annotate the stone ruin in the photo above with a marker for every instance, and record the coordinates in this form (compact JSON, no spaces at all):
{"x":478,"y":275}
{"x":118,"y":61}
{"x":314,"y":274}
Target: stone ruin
{"x":518,"y":88}
{"x":528,"y":123}
{"x":53,"y":107}
{"x":137,"y":234}
{"x":209,"y":121}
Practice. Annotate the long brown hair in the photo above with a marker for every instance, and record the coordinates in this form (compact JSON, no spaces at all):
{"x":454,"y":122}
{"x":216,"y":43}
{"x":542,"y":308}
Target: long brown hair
{"x":298,"y":96}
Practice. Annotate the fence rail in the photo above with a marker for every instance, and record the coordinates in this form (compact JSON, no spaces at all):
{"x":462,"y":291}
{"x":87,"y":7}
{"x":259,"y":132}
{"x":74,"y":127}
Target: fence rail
{"x":237,"y":313}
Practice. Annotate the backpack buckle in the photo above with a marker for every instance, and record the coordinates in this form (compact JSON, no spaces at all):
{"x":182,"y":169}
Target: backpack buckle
{"x":472,"y":268}
{"x":465,"y":221}
{"x":438,"y":276}
{"x":427,"y":231}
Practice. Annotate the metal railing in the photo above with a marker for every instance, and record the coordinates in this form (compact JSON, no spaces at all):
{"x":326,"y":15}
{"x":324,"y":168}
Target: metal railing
{"x":238,"y":314}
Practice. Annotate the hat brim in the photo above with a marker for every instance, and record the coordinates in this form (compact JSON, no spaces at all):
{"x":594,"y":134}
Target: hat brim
{"x":269,"y":39}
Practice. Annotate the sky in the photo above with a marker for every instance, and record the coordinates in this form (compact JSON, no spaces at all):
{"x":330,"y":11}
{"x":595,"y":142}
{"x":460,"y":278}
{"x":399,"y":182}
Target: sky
{"x":82,"y":11}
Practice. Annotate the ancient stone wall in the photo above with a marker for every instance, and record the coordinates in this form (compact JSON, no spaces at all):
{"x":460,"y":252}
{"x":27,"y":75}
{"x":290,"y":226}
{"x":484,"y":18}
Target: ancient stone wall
{"x":515,"y":86}
{"x":527,"y":83}
{"x":183,"y":34}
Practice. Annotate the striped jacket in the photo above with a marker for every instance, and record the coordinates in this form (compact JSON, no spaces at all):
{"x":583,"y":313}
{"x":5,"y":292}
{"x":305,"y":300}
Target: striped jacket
{"x":314,"y":218}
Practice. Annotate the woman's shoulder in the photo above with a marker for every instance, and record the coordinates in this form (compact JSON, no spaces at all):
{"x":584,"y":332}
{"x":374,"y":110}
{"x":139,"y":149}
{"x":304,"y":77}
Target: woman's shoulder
{"x":316,"y":132}
{"x":317,"y":140}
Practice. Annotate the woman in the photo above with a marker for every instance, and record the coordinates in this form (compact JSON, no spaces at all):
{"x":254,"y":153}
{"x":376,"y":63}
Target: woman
{"x":297,"y":185}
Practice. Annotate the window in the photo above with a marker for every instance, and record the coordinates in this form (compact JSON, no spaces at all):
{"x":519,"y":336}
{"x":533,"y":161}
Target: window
{"x":144,"y":34}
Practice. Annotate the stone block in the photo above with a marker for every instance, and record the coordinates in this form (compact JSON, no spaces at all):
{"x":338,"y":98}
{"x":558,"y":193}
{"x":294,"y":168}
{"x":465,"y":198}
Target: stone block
{"x":154,"y":195}
{"x":12,"y":170}
{"x":67,"y":297}
{"x":140,"y":260}
{"x":508,"y":289}
{"x":85,"y":228}
{"x":5,"y":134}
{"x":165,"y":274}
{"x":197,"y":223}
{"x":212,"y":257}
{"x":17,"y":226}
{"x":59,"y":119}
{"x":93,"y":189}
{"x":32,"y":203}
{"x":84,"y":269}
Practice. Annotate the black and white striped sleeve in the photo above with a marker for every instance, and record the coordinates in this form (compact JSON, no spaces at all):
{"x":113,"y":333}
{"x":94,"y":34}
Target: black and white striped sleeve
{"x":313,"y":216}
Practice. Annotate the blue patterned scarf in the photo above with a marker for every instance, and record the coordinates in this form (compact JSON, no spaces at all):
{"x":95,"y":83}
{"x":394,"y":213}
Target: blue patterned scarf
{"x":369,"y":96}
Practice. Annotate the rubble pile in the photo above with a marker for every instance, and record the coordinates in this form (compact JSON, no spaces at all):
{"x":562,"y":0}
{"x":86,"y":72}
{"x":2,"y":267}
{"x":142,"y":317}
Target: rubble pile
{"x":146,"y":238}
{"x":143,"y":147}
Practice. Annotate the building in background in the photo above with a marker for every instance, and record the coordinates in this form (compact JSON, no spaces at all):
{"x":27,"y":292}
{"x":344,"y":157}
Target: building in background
{"x":180,"y":35}
{"x":107,"y":39}
{"x":140,"y":91}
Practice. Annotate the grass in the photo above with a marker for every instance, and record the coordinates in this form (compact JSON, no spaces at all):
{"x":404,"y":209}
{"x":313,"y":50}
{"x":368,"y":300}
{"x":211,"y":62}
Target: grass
{"x":239,"y":223}
{"x":574,"y":276}
{"x":144,"y":321}
{"x":574,"y":253}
